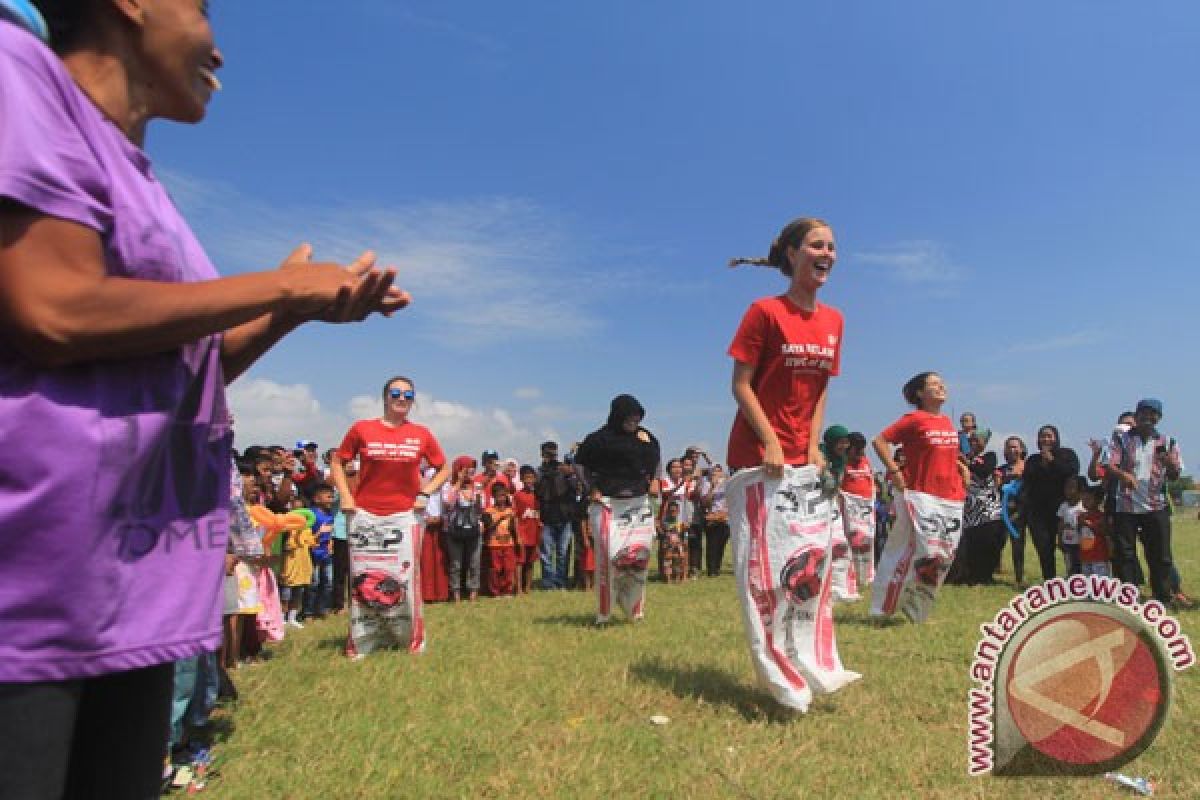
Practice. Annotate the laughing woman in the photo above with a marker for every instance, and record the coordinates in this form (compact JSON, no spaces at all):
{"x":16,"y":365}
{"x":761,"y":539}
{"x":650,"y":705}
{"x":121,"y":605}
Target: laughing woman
{"x":929,"y":502}
{"x":385,"y":523}
{"x":116,"y":340}
{"x":784,"y":353}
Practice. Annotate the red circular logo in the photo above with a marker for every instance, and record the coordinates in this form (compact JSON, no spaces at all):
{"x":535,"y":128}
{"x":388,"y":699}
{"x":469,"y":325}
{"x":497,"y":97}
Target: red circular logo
{"x":1087,"y":686}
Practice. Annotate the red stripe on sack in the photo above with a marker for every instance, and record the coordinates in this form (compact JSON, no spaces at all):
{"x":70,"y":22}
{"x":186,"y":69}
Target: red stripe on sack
{"x":756,"y":514}
{"x":602,"y":580}
{"x":896,"y":582}
{"x":418,"y":617}
{"x":824,"y":616}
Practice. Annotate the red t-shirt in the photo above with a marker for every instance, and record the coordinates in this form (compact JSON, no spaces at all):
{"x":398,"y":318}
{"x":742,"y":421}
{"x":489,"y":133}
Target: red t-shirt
{"x":794,"y":353}
{"x":858,"y":479}
{"x":389,"y":472}
{"x":1093,"y":544}
{"x":931,"y":448}
{"x":529,"y":519}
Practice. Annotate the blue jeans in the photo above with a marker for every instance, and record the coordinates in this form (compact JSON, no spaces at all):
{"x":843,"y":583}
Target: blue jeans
{"x":556,"y":545}
{"x":195,"y":694}
{"x":319,"y":597}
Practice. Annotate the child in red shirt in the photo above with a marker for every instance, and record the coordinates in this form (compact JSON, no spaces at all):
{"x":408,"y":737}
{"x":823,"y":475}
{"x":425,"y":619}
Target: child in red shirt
{"x":1094,"y":533}
{"x":529,"y":528}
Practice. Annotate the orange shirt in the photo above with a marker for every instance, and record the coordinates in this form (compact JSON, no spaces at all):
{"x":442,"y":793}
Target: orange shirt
{"x":794,"y":353}
{"x":498,"y":527}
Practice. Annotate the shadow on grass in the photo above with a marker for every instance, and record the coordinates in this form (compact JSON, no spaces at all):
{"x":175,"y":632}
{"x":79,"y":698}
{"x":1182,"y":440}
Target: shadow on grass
{"x":714,"y":686}
{"x":337,"y":642}
{"x":867,"y":621}
{"x":569,"y":620}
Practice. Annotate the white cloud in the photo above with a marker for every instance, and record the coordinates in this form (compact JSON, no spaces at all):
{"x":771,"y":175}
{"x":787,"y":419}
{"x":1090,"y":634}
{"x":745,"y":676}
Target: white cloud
{"x":920,"y":261}
{"x":1066,"y":341}
{"x":473,"y":267}
{"x":267,"y":412}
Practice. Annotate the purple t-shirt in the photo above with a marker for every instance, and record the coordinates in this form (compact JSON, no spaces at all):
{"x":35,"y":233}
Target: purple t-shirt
{"x":114,"y":474}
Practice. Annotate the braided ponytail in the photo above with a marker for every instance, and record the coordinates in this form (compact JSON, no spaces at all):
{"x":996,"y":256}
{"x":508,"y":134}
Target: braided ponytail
{"x":792,"y":235}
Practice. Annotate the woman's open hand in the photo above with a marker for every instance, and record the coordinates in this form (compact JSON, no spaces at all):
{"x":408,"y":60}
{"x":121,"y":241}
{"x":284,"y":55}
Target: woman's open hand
{"x":336,"y":293}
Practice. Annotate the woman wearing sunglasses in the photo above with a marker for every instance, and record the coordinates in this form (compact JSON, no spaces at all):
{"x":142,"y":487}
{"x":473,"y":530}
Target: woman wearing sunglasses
{"x":384,"y":521}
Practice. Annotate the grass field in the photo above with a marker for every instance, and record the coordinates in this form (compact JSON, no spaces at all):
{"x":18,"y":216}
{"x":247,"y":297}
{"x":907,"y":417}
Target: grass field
{"x":523,"y":698}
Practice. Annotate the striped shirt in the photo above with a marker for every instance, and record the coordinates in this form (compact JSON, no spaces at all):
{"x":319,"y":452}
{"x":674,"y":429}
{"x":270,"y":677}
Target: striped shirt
{"x":1148,"y":461}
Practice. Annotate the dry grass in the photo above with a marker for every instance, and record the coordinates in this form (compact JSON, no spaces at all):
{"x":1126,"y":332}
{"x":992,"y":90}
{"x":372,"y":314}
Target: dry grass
{"x":522,"y":698}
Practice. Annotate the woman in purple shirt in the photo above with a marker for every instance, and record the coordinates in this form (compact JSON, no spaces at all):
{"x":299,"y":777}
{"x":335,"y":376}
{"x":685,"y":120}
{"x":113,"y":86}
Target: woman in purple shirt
{"x":117,"y":338}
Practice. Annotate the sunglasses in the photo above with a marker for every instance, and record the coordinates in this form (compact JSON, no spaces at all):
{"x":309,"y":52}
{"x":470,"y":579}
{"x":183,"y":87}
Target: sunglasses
{"x":396,"y":394}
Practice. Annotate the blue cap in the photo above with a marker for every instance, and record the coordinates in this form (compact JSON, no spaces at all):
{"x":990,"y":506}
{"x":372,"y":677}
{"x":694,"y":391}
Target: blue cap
{"x":1152,"y":403}
{"x":26,"y":15}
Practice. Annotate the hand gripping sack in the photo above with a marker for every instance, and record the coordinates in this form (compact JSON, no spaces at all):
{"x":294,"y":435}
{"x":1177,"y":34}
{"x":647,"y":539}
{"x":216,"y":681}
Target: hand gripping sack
{"x":858,"y":514}
{"x":917,"y":556}
{"x":623,"y":533}
{"x":782,"y":541}
{"x":385,"y":598}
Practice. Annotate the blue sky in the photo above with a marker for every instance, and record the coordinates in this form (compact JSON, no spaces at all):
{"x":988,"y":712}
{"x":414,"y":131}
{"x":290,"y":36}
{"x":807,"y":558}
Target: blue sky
{"x":1012,"y":187}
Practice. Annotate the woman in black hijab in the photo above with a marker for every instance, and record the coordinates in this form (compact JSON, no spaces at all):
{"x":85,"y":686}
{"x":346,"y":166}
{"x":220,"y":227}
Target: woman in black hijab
{"x":620,"y":460}
{"x":1045,"y":474}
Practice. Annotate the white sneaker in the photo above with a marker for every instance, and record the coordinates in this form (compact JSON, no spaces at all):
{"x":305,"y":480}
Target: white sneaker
{"x":295,"y":623}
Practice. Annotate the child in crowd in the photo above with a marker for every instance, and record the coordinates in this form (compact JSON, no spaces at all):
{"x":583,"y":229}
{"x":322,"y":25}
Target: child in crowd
{"x":499,"y":538}
{"x":297,"y":570}
{"x":672,"y":542}
{"x":1068,"y":524}
{"x":319,"y":597}
{"x":529,"y":527}
{"x":1094,"y":533}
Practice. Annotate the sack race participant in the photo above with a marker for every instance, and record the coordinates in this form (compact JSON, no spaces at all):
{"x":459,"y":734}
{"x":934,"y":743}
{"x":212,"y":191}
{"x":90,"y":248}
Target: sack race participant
{"x":385,"y":591}
{"x":858,"y":510}
{"x":385,"y":527}
{"x":782,"y":532}
{"x":620,"y":460}
{"x":835,"y":443}
{"x":785,"y":351}
{"x":929,"y":493}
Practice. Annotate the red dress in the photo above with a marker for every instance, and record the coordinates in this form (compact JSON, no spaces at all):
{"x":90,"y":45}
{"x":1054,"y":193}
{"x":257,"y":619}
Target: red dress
{"x":435,"y":582}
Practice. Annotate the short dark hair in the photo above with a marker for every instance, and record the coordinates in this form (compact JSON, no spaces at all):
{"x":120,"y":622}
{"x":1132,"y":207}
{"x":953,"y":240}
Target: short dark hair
{"x":499,"y":486}
{"x":322,"y":487}
{"x":1125,"y":414}
{"x":392,"y":380}
{"x":245,"y":467}
{"x":914,"y":385}
{"x":527,"y":470}
{"x":1096,"y":490}
{"x":857,"y":440}
{"x":549,"y":446}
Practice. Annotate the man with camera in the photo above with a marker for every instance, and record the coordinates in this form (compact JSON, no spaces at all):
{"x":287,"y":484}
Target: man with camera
{"x":557,"y":492}
{"x":1142,"y":460}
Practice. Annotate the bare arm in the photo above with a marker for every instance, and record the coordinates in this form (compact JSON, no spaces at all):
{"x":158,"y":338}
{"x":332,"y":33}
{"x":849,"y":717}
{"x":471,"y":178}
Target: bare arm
{"x":337,"y":472}
{"x":748,"y":404}
{"x":883,"y":449}
{"x":815,"y":456}
{"x":62,"y":307}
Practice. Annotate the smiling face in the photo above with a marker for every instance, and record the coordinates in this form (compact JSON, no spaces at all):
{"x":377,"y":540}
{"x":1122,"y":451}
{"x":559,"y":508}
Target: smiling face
{"x":1047,"y":438}
{"x":813,"y":259}
{"x":1013,"y":450}
{"x":933,"y":395}
{"x":179,"y":57}
{"x":398,"y":399}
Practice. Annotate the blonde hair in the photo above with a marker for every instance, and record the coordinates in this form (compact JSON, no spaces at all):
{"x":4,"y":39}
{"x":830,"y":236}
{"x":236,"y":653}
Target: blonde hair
{"x":792,"y":235}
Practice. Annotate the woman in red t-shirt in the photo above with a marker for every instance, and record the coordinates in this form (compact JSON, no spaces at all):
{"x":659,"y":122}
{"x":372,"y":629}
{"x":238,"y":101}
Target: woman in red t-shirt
{"x":785,"y":351}
{"x":930,"y":489}
{"x":932,"y":462}
{"x":383,"y":533}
